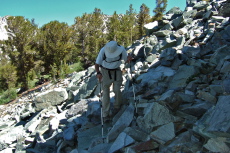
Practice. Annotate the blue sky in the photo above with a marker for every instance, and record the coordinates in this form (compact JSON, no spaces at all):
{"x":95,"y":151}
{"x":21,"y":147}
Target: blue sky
{"x":44,"y":11}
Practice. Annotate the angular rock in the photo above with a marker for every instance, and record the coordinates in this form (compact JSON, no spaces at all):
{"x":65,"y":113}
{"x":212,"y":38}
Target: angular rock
{"x":200,"y":5}
{"x":10,"y":135}
{"x":69,"y":133}
{"x":226,"y":67}
{"x":183,"y":142}
{"x":206,"y":96}
{"x":86,"y":90}
{"x":136,"y":134}
{"x":155,"y":115}
{"x":162,"y":33}
{"x":182,"y":75}
{"x":168,"y":54}
{"x":124,"y":121}
{"x":100,"y":148}
{"x":193,"y":51}
{"x":151,"y":27}
{"x":226,"y":85}
{"x":122,"y":141}
{"x":145,"y":146}
{"x":177,"y":22}
{"x":220,"y":54}
{"x":215,"y":122}
{"x":164,"y":133}
{"x":77,"y":108}
{"x":152,"y":40}
{"x":86,"y":137}
{"x":50,"y":98}
{"x":157,"y":74}
{"x":197,"y":109}
{"x":217,"y":145}
{"x":167,"y":95}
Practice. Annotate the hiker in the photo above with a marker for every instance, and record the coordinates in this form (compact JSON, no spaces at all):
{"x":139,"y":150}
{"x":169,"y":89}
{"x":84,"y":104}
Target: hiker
{"x":108,"y":71}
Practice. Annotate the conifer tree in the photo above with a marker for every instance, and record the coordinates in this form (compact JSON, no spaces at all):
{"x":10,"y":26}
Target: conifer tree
{"x":90,"y":37}
{"x":143,"y":18}
{"x":159,"y":10}
{"x":8,"y":74}
{"x":96,"y":37}
{"x":128,"y":27}
{"x":55,"y":43}
{"x":114,"y":28}
{"x":20,"y":46}
{"x":82,"y":34}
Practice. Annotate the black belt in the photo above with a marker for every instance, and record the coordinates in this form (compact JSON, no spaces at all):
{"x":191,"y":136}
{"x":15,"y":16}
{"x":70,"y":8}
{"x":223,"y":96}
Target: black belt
{"x":115,"y":73}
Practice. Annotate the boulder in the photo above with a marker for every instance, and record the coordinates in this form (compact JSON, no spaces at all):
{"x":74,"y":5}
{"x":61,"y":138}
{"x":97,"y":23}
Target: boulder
{"x":50,"y":98}
{"x":123,"y":121}
{"x":217,"y":145}
{"x":122,"y":141}
{"x":78,"y":108}
{"x":164,"y":133}
{"x":182,"y":76}
{"x":155,"y":115}
{"x":151,"y":27}
{"x":215,"y":121}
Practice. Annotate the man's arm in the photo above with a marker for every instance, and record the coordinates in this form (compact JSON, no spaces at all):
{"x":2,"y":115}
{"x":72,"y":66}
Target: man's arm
{"x":97,"y":68}
{"x":99,"y":75}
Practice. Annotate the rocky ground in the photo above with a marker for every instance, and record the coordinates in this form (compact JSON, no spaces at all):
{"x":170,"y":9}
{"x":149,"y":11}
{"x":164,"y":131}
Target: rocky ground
{"x":176,"y":95}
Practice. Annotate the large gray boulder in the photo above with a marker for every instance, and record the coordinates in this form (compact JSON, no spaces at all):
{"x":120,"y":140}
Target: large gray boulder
{"x":164,"y":133}
{"x":155,"y":115}
{"x":50,"y":98}
{"x":123,"y":121}
{"x":154,"y":75}
{"x":182,"y":76}
{"x":215,"y":122}
{"x":87,"y":89}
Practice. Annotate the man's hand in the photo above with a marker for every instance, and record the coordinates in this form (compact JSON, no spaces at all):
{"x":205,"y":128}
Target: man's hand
{"x":99,"y":76}
{"x":129,"y":58}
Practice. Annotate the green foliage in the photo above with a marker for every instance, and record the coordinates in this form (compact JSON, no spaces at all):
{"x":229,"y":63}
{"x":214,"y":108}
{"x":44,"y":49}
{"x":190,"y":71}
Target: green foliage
{"x":76,"y":67}
{"x":20,"y":46}
{"x":8,"y":95}
{"x":143,"y":19}
{"x":89,"y":36}
{"x":159,"y":10}
{"x":55,"y":43}
{"x":8,"y":76}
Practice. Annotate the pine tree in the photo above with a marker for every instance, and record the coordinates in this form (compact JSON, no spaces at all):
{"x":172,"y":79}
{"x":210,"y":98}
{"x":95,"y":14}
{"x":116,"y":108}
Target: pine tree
{"x":128,"y":27}
{"x":82,"y":34}
{"x":89,"y":36}
{"x":8,"y":74}
{"x":20,"y":46}
{"x":55,"y":43}
{"x":96,"y":36}
{"x":143,"y":18}
{"x":159,"y":10}
{"x":114,"y":28}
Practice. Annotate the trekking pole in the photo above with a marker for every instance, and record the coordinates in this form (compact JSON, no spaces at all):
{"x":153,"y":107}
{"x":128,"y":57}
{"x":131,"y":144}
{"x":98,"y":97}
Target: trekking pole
{"x":102,"y":120}
{"x":134,"y":95}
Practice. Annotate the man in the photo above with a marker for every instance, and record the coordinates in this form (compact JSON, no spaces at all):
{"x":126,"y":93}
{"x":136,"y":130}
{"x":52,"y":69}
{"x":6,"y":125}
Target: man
{"x":108,"y":72}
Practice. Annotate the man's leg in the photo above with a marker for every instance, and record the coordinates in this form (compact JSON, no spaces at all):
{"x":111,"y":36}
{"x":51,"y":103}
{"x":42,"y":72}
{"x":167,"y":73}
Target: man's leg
{"x":106,"y":83}
{"x":117,"y":90}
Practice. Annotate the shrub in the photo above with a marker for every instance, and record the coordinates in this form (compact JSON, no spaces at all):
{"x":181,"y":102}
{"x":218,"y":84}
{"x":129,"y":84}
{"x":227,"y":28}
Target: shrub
{"x":76,"y":67}
{"x":8,"y":95}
